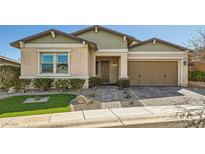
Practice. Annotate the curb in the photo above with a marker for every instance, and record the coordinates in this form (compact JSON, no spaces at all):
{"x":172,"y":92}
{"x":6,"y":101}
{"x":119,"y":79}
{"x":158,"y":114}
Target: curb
{"x":126,"y":121}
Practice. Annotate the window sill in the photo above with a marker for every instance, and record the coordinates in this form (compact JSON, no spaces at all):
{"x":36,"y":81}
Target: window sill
{"x":54,"y":75}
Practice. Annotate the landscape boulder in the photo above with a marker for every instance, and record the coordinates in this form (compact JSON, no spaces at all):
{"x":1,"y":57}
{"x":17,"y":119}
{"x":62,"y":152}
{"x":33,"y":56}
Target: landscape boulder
{"x":81,"y":99}
{"x":11,"y":90}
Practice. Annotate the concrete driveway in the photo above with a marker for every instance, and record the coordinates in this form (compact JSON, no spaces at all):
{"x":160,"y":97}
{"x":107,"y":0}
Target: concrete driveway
{"x":159,"y":96}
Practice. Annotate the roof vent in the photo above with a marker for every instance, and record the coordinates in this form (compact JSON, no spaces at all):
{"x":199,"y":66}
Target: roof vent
{"x":124,"y":38}
{"x":53,"y":34}
{"x":21,"y":44}
{"x":154,"y":41}
{"x":96,"y":29}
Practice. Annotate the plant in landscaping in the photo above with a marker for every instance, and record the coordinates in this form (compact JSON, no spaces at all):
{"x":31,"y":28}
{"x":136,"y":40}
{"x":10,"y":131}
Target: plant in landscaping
{"x":9,"y":77}
{"x":92,"y":94}
{"x":62,"y":84}
{"x":95,"y":82}
{"x":77,"y":83}
{"x":127,"y":96}
{"x":123,"y":83}
{"x":42,"y":83}
{"x":24,"y":83}
{"x":37,"y":98}
{"x":197,"y":76}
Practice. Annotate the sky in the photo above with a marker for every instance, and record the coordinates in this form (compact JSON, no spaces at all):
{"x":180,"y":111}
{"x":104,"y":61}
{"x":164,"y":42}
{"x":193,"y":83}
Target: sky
{"x":175,"y":34}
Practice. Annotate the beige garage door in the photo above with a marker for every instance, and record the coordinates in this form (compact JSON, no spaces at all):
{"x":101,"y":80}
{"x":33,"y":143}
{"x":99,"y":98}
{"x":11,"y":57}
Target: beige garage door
{"x":152,"y":73}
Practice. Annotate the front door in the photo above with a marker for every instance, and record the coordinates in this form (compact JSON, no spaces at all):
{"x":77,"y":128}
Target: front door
{"x":105,"y":70}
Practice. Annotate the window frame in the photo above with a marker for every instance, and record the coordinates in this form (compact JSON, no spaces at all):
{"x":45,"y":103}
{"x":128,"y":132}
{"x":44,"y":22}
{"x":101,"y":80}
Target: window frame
{"x":41,"y":62}
{"x":54,"y":53}
{"x":62,"y":62}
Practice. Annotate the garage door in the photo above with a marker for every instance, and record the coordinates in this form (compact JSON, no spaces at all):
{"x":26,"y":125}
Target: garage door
{"x":152,"y":73}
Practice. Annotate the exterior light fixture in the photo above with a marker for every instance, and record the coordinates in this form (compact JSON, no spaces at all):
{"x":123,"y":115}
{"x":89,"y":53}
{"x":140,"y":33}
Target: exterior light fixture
{"x":185,"y":63}
{"x":114,"y":64}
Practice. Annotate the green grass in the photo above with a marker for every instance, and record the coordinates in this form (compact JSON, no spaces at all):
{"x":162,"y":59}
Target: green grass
{"x":14,"y":106}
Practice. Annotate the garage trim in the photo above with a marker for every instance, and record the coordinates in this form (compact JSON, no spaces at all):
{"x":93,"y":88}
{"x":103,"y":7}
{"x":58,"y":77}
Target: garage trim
{"x":163,"y":56}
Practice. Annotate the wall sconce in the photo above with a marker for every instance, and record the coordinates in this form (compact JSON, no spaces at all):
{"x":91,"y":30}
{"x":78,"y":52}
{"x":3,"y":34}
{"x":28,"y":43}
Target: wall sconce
{"x":185,"y":63}
{"x":114,"y":64}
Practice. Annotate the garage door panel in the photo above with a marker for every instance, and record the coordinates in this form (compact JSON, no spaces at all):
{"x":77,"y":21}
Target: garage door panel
{"x":156,"y":73}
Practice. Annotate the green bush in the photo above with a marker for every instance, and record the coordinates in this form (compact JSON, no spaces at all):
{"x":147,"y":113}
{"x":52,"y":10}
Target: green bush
{"x":197,"y":76}
{"x":62,"y":84}
{"x":24,"y":83}
{"x":95,"y":82}
{"x":77,"y":83}
{"x":42,"y":83}
{"x":9,"y":77}
{"x":123,"y":83}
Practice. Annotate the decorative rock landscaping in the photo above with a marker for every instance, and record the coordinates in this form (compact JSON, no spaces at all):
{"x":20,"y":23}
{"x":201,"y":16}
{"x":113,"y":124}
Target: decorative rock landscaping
{"x":106,"y":97}
{"x":81,"y":99}
{"x":35,"y":100}
{"x":11,"y":90}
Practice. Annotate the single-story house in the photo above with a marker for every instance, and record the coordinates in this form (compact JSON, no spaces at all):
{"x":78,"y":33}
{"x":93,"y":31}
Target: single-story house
{"x":99,"y":51}
{"x":7,"y":61}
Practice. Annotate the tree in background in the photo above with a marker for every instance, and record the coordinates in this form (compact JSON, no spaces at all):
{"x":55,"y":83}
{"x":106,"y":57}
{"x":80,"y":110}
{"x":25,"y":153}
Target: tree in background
{"x":197,"y":40}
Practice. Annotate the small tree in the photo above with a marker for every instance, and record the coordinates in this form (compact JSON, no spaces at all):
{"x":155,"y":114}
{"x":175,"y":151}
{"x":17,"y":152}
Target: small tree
{"x":194,"y":117}
{"x":197,"y":40}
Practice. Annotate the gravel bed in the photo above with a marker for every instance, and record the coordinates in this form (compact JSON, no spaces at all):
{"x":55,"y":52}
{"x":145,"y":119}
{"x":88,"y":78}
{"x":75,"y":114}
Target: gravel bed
{"x":87,"y":106}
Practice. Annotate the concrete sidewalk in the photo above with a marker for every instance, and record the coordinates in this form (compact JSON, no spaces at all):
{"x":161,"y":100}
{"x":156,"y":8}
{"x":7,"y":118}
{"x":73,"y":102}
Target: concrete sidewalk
{"x":120,"y":117}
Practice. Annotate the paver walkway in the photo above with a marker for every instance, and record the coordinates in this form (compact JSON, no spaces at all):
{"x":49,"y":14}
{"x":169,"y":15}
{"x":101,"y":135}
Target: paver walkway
{"x":111,"y":105}
{"x":120,"y":117}
{"x":108,"y":94}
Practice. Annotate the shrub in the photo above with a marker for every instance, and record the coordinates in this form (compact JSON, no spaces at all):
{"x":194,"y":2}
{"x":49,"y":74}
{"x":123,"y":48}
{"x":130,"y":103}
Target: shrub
{"x":92,"y":94}
{"x":123,"y":83}
{"x":197,"y":76}
{"x":9,"y":77}
{"x":62,"y":84}
{"x":95,"y":82}
{"x":77,"y":83}
{"x":24,"y":83}
{"x":42,"y":83}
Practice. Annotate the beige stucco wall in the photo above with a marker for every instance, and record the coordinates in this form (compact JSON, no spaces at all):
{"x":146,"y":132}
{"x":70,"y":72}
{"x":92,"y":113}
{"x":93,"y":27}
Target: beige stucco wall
{"x":104,"y":40}
{"x":79,"y":61}
{"x":29,"y":62}
{"x":92,"y":63}
{"x":78,"y":65}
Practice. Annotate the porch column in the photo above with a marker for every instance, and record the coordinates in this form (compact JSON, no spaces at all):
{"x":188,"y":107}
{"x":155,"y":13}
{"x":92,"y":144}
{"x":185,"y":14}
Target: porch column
{"x":184,"y":72}
{"x":123,"y":66}
{"x":92,"y":63}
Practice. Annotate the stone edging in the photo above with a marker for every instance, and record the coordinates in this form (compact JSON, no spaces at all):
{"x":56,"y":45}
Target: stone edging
{"x":197,"y":84}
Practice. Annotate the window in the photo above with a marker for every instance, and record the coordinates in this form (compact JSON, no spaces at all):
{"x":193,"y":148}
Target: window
{"x":54,"y":63}
{"x":62,"y":63}
{"x":47,"y":63}
{"x":97,"y":67}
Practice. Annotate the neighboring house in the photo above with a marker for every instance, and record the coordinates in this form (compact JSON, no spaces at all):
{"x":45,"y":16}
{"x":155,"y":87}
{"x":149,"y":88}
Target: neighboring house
{"x":8,"y":61}
{"x":98,"y":51}
{"x":197,"y":60}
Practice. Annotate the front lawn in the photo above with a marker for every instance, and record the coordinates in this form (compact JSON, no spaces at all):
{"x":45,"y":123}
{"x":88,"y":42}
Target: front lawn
{"x":14,"y":106}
